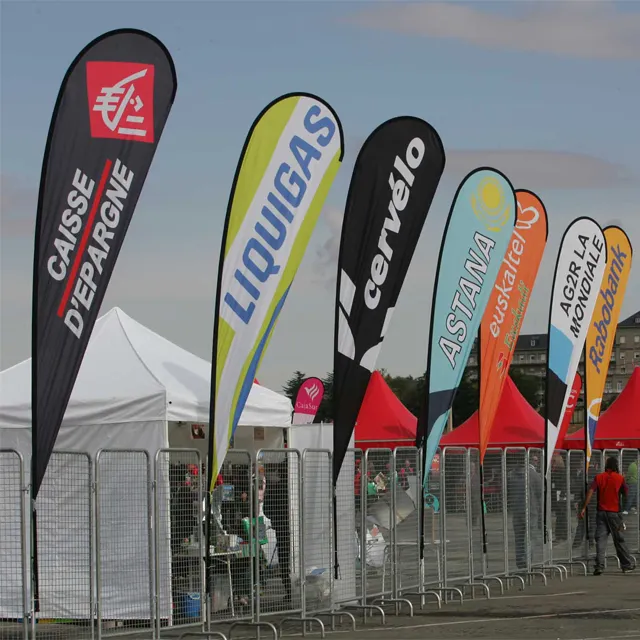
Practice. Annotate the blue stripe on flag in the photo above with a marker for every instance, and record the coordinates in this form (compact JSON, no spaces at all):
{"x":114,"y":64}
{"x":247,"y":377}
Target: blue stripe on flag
{"x":253,"y":365}
{"x":560,"y":351}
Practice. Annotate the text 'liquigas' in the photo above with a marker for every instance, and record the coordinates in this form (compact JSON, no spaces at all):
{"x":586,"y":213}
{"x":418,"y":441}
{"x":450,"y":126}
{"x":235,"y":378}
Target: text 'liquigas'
{"x":288,"y":197}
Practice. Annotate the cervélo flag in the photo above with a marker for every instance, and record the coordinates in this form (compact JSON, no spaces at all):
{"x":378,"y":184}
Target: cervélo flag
{"x":476,"y":238}
{"x":507,"y":306}
{"x":602,"y":330}
{"x":576,"y":284}
{"x":290,"y":158}
{"x":107,"y":121}
{"x":394,"y":180}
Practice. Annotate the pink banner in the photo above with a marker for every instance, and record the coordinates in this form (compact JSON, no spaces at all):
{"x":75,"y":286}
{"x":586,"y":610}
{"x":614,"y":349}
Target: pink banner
{"x":308,"y":401}
{"x":571,"y":405}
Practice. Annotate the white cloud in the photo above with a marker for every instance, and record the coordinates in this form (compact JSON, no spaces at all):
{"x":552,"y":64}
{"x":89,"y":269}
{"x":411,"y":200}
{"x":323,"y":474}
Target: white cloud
{"x":579,"y":29}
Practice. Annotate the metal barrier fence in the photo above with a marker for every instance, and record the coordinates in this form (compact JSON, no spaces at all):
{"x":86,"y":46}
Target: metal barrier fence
{"x":121,"y":536}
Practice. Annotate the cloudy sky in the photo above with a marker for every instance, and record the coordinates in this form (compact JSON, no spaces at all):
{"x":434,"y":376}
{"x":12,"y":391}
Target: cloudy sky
{"x":546,"y":92}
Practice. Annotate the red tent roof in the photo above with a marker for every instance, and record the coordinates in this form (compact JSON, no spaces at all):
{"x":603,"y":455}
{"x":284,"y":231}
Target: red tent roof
{"x":517,"y":423}
{"x":383,"y":420}
{"x":619,"y":426}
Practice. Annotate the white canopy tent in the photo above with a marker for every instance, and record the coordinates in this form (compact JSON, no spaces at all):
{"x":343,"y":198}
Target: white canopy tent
{"x":135,"y":390}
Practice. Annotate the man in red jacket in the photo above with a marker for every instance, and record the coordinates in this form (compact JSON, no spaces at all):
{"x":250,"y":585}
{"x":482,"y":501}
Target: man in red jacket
{"x":609,"y":486}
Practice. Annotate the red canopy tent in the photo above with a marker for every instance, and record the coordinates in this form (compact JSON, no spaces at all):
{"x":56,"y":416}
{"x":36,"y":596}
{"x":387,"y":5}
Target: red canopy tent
{"x":383,"y":421}
{"x":619,"y":426}
{"x":517,"y":424}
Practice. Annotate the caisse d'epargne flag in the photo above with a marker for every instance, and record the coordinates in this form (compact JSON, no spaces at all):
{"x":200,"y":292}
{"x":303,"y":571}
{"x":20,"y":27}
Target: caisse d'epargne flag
{"x":393,"y":184}
{"x":602,"y":330}
{"x":308,"y":401}
{"x":476,"y":237}
{"x":107,"y":121}
{"x":290,"y":158}
{"x":507,"y":306}
{"x":576,"y":284}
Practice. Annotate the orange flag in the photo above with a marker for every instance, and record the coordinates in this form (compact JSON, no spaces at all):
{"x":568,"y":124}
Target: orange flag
{"x":507,"y":306}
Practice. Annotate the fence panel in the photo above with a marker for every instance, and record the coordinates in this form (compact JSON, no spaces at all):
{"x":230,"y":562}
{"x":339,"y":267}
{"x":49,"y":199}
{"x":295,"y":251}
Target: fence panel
{"x":458,"y":515}
{"x":351,"y":492}
{"x":278,"y":560}
{"x":517,"y":538}
{"x":406,"y":531}
{"x":575,"y":464}
{"x":125,"y":584}
{"x":629,"y":468}
{"x":230,"y":574}
{"x":14,"y":601}
{"x":535,"y":507}
{"x":317,"y":530}
{"x":65,"y":546}
{"x":178,"y":537}
{"x":433,"y":524}
{"x":495,"y":512}
{"x":559,"y":505}
{"x":376,"y":534}
{"x":474,"y":494}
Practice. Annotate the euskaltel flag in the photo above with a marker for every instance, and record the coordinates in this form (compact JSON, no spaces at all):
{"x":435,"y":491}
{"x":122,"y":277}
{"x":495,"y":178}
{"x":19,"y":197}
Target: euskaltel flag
{"x":393,"y":184}
{"x":507,"y":307}
{"x":107,"y":121}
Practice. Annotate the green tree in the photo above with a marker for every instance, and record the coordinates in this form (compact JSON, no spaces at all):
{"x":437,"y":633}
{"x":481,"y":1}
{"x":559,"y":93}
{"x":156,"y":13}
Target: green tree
{"x":325,"y":410}
{"x":531,"y":387}
{"x":466,"y":400}
{"x":291,"y":387}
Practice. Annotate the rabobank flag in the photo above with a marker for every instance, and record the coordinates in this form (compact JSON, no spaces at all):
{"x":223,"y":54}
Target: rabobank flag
{"x":576,"y":285}
{"x":289,"y":160}
{"x":602,"y":331}
{"x":476,"y":238}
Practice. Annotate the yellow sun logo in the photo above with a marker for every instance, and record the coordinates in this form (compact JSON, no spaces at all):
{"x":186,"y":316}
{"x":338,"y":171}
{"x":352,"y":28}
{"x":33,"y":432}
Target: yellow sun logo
{"x":490,"y":205}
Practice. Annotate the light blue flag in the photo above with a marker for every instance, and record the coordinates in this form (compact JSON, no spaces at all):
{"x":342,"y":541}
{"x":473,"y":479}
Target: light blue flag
{"x":475,"y":241}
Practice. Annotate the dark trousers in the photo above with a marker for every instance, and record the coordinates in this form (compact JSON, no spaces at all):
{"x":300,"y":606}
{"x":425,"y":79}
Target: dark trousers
{"x":609,"y":522}
{"x":519,"y":522}
{"x":283,"y":545}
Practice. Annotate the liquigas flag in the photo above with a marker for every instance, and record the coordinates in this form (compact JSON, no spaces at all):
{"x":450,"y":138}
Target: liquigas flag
{"x":507,"y":307}
{"x":476,"y":237}
{"x":576,"y":285}
{"x":113,"y":104}
{"x":602,"y":331}
{"x":289,"y":160}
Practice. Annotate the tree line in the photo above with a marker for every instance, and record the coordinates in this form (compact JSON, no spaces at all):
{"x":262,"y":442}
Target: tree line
{"x":411,"y":391}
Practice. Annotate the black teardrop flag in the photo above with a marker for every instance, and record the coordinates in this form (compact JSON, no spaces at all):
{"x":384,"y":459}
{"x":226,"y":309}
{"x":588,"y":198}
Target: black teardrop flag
{"x":110,"y":113}
{"x":394,"y":180}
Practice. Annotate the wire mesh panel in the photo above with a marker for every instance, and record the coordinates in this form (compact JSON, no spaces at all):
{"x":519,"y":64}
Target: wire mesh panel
{"x":125,"y":586}
{"x":406,"y":542}
{"x":559,"y":505}
{"x":518,"y":498}
{"x":377,"y":523}
{"x":433,"y":524}
{"x":179,"y":547}
{"x":234,"y":530}
{"x":584,"y":537}
{"x":535,"y":506}
{"x":575,"y":464}
{"x":317,"y":530}
{"x":475,"y":499}
{"x":279,"y":554}
{"x":629,"y":468}
{"x":65,"y":547}
{"x":494,"y":506}
{"x":14,"y":605}
{"x":456,"y":512}
{"x":350,"y":493}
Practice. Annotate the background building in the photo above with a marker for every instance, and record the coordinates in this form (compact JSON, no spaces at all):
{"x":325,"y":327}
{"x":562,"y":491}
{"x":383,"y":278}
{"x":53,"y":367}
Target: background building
{"x":530,"y":357}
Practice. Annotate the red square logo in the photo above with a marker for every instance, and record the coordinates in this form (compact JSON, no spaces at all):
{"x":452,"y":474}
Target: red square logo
{"x":121,"y":100}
